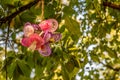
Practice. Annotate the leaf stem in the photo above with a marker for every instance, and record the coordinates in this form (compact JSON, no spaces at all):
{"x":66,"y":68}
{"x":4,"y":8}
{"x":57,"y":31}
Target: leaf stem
{"x":41,"y":33}
{"x":42,"y":14}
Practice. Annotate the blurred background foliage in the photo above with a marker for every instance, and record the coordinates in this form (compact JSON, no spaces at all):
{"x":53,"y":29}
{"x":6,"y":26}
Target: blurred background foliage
{"x":89,"y":48}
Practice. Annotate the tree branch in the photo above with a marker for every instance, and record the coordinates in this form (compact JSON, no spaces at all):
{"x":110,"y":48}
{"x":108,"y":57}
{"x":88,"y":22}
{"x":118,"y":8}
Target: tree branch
{"x":111,"y":5}
{"x":21,"y":9}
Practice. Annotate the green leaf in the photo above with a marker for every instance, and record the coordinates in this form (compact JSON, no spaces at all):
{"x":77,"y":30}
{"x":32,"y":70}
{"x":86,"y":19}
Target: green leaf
{"x":111,"y":52}
{"x":73,"y":28}
{"x":69,"y":66}
{"x":26,"y":17}
{"x":17,"y":73}
{"x":13,"y":35}
{"x":94,"y":57}
{"x":65,"y":73}
{"x":23,"y":78}
{"x":49,"y":11}
{"x":30,"y":61}
{"x":62,"y":29}
{"x":7,"y":62}
{"x":35,"y":10}
{"x":24,"y":67}
{"x":39,"y":71}
{"x":68,"y":11}
{"x":11,"y":69}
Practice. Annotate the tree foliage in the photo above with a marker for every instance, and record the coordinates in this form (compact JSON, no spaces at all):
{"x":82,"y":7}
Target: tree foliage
{"x":89,"y":48}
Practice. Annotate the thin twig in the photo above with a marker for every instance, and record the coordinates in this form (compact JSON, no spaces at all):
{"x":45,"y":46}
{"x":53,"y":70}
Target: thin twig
{"x":21,"y":9}
{"x":110,"y":67}
{"x":6,"y":44}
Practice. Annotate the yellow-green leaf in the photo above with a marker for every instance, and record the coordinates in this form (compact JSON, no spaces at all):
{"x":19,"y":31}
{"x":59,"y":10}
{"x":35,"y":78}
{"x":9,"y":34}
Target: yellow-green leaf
{"x":73,"y":27}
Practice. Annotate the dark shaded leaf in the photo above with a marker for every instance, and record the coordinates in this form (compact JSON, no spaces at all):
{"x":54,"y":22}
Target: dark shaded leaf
{"x":13,"y":35}
{"x":70,"y":66}
{"x":26,"y":17}
{"x":65,"y":73}
{"x":24,"y":67}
